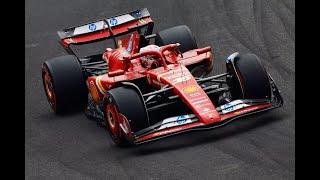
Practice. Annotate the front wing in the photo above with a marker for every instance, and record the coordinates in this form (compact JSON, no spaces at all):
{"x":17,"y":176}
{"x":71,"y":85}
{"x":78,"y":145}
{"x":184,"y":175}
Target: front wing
{"x":189,"y":122}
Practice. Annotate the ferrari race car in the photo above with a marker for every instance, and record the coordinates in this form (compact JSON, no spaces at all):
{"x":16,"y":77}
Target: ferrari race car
{"x":149,"y":86}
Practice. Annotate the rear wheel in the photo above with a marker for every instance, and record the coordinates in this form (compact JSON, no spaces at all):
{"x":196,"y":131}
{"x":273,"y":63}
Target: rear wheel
{"x":183,"y":35}
{"x":178,"y":34}
{"x":64,"y":84}
{"x":249,"y":79}
{"x":125,"y":113}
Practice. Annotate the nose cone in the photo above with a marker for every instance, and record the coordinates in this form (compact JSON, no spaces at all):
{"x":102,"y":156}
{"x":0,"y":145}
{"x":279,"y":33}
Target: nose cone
{"x":191,"y":93}
{"x":198,"y":101}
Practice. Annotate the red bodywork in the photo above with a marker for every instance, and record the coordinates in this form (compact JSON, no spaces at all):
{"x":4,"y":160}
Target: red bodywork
{"x":105,"y":33}
{"x":124,"y":64}
{"x":128,"y":70}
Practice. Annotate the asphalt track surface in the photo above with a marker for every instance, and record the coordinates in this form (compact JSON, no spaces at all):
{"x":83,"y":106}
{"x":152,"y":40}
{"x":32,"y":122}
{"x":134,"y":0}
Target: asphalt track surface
{"x":256,"y":147}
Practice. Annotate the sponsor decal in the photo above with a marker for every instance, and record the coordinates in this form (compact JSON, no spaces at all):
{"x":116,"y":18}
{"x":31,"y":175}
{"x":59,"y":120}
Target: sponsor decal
{"x":246,"y":110}
{"x":228,"y":107}
{"x":89,"y":28}
{"x":173,"y":76}
{"x":197,"y":105}
{"x":206,"y":110}
{"x":190,"y":89}
{"x":232,"y":103}
{"x":181,"y":79}
{"x":236,"y":107}
{"x":168,"y":131}
{"x":92,"y":27}
{"x":182,"y":119}
{"x":113,"y":21}
{"x":177,"y":121}
{"x":120,"y":19}
{"x":200,"y":101}
{"x":198,"y":98}
{"x":194,"y":94}
{"x":173,"y":72}
{"x":232,"y":106}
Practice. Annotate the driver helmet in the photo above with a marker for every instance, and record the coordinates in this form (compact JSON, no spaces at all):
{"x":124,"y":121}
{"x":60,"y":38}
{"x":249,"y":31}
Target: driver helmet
{"x":150,"y":47}
{"x":150,"y":60}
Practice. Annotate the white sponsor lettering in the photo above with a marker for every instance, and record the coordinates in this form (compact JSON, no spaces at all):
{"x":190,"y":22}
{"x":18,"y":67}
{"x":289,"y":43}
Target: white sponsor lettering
{"x":172,"y":72}
{"x":232,"y":106}
{"x":199,"y":98}
{"x":201,"y":101}
{"x":89,"y":28}
{"x":181,"y":79}
{"x":120,"y":19}
{"x":178,"y":120}
{"x":206,"y":110}
{"x":96,"y":26}
{"x":194,"y":94}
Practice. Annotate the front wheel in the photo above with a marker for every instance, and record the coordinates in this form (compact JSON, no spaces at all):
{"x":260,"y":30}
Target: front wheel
{"x":248,"y":78}
{"x":125,"y":113}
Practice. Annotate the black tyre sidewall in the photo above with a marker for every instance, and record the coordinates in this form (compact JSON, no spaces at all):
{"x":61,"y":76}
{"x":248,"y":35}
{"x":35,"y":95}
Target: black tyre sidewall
{"x":68,"y":83}
{"x":254,"y":79}
{"x":178,"y":34}
{"x":130,"y":103}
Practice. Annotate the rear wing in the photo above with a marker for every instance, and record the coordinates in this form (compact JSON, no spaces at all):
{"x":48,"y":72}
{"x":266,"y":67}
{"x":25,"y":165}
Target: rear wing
{"x":106,"y":28}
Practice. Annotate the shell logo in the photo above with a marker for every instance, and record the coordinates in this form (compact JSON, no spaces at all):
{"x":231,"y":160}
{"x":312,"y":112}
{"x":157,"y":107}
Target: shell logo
{"x":190,"y":89}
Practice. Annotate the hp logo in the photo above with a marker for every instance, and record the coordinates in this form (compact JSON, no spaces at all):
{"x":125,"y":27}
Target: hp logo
{"x":92,"y":27}
{"x":113,"y":21}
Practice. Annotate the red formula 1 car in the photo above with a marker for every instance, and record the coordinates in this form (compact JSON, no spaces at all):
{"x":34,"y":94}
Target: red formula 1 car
{"x":150,"y":86}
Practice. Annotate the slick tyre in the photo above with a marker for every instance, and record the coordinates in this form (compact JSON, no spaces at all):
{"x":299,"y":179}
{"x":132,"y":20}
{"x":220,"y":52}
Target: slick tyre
{"x":125,"y":112}
{"x":183,"y":35}
{"x":64,"y":84}
{"x":249,"y":79}
{"x":178,"y":34}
